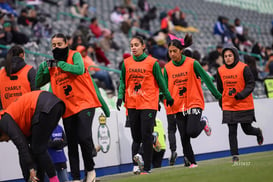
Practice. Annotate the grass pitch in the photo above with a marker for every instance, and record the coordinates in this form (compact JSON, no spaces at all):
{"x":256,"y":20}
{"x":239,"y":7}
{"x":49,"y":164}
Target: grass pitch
{"x":257,"y":167}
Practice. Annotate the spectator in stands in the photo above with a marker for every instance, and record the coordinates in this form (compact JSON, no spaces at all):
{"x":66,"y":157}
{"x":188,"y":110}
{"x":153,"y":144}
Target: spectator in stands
{"x":178,"y":18}
{"x":28,"y":122}
{"x":136,"y":30}
{"x":16,"y":74}
{"x":166,"y":23}
{"x":188,"y":52}
{"x":183,"y":77}
{"x":32,"y":17}
{"x":78,"y":10}
{"x":126,"y":25}
{"x":56,"y":146}
{"x":147,"y":18}
{"x":214,"y":58}
{"x":96,"y":29}
{"x":221,"y":29}
{"x":77,"y":40}
{"x":8,"y":36}
{"x":116,"y":15}
{"x":23,"y":18}
{"x":197,"y":56}
{"x":241,"y":32}
{"x":179,"y":21}
{"x":257,"y":49}
{"x":268,"y":51}
{"x":236,"y":83}
{"x":268,"y":82}
{"x":6,"y":8}
{"x":107,"y":43}
{"x":17,"y":36}
{"x":84,"y":30}
{"x":140,"y":80}
{"x":159,"y":50}
{"x":239,"y":29}
{"x":131,"y":7}
{"x":270,"y":59}
{"x":96,"y":72}
{"x":144,"y":5}
{"x":71,"y":82}
{"x":236,"y":42}
{"x":100,"y":56}
{"x":251,"y":62}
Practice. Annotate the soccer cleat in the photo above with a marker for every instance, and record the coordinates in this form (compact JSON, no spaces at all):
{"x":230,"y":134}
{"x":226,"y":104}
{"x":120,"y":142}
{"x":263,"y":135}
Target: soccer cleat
{"x":138,"y":159}
{"x":136,"y":170}
{"x":173,"y":158}
{"x":260,"y":138}
{"x":235,"y":158}
{"x":207,"y":128}
{"x":187,"y":163}
{"x":193,"y":166}
{"x":145,"y":172}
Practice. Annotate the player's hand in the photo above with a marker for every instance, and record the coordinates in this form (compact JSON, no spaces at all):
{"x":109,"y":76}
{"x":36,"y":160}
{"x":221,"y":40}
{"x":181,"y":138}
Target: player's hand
{"x":169,"y":102}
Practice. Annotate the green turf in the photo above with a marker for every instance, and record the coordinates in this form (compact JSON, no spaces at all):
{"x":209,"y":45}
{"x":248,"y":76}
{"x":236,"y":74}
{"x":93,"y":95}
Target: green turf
{"x":257,"y":167}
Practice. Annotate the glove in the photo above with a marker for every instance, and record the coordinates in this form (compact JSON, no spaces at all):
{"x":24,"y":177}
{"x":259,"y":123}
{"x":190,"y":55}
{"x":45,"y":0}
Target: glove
{"x":119,"y":102}
{"x":238,"y":96}
{"x":51,"y":63}
{"x":169,"y":102}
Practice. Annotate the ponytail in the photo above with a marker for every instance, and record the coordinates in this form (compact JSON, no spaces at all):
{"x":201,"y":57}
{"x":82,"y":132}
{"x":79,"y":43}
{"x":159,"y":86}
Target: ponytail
{"x":13,"y":51}
{"x":186,"y":42}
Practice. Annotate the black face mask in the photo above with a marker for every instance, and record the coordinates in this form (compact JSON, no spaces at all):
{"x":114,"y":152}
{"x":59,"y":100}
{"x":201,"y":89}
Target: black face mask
{"x":60,"y":54}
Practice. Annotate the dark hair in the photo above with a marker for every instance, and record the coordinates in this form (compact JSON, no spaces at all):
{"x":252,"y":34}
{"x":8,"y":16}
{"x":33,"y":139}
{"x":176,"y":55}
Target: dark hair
{"x":250,"y":61}
{"x":68,"y":37}
{"x":178,"y":44}
{"x":93,"y":19}
{"x":59,"y":35}
{"x":236,"y":20}
{"x":196,"y":55}
{"x":187,"y":52}
{"x":204,"y":63}
{"x":13,"y":51}
{"x":141,"y":40}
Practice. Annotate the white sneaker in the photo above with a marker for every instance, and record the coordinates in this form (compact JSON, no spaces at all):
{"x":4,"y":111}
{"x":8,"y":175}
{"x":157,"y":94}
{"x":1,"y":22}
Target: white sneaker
{"x":136,"y":170}
{"x":139,"y":160}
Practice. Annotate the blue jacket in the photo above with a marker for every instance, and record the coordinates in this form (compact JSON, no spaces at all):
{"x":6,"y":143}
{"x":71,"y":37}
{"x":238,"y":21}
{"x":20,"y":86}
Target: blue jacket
{"x":56,"y":144}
